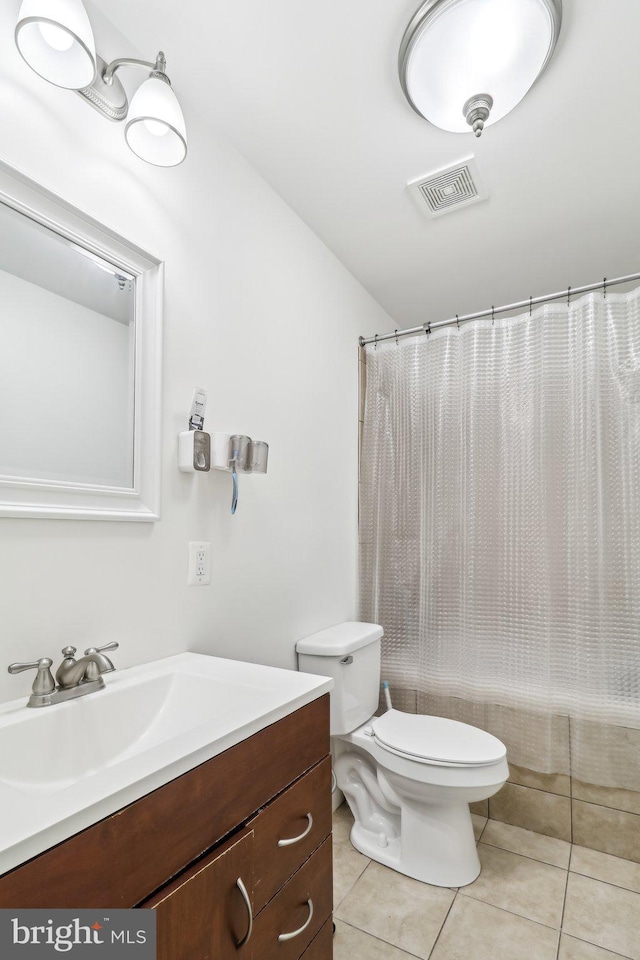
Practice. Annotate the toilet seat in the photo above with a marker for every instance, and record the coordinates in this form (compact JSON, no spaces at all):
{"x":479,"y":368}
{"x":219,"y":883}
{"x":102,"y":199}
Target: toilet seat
{"x":436,"y":740}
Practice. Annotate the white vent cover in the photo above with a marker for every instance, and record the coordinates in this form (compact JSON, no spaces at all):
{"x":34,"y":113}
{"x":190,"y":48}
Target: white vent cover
{"x":448,"y":189}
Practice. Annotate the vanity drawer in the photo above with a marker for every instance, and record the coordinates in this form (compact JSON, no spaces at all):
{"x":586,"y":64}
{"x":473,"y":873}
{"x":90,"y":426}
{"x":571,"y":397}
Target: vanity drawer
{"x":289,"y":830}
{"x":289,"y":911}
{"x":321,"y":947}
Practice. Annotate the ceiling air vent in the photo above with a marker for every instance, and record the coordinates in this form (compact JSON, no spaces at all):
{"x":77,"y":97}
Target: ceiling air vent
{"x":449,"y":189}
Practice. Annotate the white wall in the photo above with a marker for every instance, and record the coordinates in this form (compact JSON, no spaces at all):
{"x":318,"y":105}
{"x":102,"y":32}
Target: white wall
{"x":259,"y":313}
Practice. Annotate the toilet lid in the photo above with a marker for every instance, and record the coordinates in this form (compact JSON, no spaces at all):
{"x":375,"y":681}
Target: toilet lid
{"x":435,"y":738}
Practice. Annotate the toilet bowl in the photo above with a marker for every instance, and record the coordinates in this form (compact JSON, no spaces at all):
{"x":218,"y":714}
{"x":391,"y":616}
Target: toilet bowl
{"x":407,"y":778}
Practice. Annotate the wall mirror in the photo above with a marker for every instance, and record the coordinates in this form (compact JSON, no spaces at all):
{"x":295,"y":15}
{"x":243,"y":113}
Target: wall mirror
{"x":80,"y":361}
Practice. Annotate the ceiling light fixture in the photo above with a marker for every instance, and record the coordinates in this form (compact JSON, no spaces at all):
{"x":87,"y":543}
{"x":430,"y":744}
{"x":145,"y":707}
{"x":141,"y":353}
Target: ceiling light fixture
{"x":467,"y":63}
{"x":55,"y":39}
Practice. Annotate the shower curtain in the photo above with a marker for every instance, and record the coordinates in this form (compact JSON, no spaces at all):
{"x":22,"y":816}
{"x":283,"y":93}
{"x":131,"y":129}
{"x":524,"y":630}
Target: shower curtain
{"x":500,"y":530}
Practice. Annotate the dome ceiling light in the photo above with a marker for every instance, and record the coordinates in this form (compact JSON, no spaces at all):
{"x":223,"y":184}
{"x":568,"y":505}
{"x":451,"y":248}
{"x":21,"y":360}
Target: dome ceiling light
{"x":467,"y":63}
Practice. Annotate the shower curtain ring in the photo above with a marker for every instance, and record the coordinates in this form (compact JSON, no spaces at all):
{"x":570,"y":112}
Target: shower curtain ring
{"x":604,"y":288}
{"x":530,"y":305}
{"x":427,"y":329}
{"x":375,"y":341}
{"x":457,"y":322}
{"x":493,"y":316}
{"x":568,"y":296}
{"x":396,"y":332}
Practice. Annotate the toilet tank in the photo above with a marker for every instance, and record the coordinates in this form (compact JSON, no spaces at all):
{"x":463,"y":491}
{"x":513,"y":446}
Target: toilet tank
{"x":350,"y":653}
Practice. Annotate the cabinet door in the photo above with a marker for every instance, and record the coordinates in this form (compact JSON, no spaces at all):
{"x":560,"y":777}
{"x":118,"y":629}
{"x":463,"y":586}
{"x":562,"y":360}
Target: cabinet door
{"x":203,"y":914}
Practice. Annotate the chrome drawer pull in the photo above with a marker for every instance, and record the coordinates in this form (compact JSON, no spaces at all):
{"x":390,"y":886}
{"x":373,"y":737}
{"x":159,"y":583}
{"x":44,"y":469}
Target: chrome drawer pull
{"x":287,"y":843}
{"x":247,"y":903}
{"x":296,"y":933}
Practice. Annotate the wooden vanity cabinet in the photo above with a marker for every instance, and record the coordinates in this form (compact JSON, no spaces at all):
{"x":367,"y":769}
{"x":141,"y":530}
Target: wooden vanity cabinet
{"x":259,"y":813}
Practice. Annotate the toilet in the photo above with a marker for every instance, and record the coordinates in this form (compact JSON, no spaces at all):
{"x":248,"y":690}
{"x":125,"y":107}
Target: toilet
{"x":408,"y":778}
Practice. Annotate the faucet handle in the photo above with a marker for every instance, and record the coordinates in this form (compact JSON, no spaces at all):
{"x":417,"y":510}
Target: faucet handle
{"x":43,"y":682}
{"x":108,"y":646}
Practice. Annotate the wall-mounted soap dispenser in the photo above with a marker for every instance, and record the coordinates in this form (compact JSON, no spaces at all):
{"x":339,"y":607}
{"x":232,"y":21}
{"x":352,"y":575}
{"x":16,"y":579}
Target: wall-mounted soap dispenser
{"x":194,"y":445}
{"x":236,"y":453}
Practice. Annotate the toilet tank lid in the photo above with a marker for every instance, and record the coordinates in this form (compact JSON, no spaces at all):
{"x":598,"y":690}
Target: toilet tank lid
{"x":340,"y":639}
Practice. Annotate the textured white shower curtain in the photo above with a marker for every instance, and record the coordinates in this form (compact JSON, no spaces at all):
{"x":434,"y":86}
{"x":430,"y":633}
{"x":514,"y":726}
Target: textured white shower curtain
{"x":500,"y":530}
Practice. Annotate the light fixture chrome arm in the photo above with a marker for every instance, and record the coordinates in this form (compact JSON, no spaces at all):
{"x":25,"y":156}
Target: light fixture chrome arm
{"x":157,"y":69}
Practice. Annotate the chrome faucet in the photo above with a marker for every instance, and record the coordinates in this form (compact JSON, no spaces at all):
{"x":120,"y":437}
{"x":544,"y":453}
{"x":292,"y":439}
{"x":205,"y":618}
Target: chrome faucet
{"x":75,"y":678}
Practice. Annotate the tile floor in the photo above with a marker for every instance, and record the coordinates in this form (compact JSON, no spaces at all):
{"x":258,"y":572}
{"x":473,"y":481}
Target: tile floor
{"x":536,"y":898}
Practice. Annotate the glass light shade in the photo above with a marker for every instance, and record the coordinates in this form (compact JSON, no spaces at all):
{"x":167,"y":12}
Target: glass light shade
{"x":55,"y":38}
{"x":155,"y":129}
{"x":457,"y":49}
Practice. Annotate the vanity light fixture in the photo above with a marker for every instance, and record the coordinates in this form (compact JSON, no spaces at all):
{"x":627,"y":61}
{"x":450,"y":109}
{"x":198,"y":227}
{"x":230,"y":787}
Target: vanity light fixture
{"x":55,"y":39}
{"x":467,"y":63}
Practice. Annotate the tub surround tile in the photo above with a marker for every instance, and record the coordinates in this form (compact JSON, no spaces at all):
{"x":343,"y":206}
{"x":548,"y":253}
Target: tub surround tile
{"x":602,"y":914}
{"x":352,"y":944}
{"x":526,"y":887}
{"x":610,"y":831}
{"x":618,"y":799}
{"x":602,"y":866}
{"x":559,"y":783}
{"x":405,"y":913}
{"x":606,"y":751}
{"x":572,"y":949}
{"x":402,"y":699}
{"x":479,"y":823}
{"x":478,"y":931}
{"x":534,"y":810}
{"x":528,"y":844}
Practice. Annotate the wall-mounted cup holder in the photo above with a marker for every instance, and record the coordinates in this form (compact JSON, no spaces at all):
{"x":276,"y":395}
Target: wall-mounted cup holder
{"x":257,"y":457}
{"x":236,"y":453}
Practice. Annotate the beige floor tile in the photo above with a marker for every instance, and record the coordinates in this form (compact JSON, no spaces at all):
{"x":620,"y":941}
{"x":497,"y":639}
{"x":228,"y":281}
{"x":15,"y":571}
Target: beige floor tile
{"x":479,"y":823}
{"x":478,"y":931}
{"x":602,"y":914}
{"x":527,"y":843}
{"x":348,"y":865}
{"x":523,"y":886}
{"x":572,"y":949}
{"x":397,"y":909}
{"x":352,"y":944}
{"x":602,"y":866}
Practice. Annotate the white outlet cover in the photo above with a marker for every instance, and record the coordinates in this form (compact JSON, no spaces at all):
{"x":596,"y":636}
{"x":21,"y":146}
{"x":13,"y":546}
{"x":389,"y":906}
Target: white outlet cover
{"x":199,"y":573}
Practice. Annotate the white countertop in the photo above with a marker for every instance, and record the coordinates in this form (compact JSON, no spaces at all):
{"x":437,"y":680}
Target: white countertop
{"x":66,"y":766}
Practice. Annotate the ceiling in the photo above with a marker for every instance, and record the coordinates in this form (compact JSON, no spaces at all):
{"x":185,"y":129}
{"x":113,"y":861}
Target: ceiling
{"x":309,"y":94}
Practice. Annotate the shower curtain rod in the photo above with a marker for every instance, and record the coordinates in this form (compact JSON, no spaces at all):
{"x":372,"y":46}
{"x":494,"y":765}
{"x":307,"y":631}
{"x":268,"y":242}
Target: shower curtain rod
{"x":531,"y":302}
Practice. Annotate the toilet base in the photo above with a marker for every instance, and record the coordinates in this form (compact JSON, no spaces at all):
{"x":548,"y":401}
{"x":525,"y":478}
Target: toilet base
{"x":436,"y":844}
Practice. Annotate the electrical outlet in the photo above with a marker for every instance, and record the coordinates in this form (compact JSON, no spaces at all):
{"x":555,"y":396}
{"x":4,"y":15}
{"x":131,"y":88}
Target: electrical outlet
{"x":199,"y":563}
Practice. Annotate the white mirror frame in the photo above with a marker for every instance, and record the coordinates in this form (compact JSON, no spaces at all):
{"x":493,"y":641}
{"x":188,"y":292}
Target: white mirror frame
{"x":24,"y":497}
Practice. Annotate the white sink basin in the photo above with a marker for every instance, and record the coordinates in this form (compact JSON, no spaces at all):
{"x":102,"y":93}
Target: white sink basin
{"x":66,"y":766}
